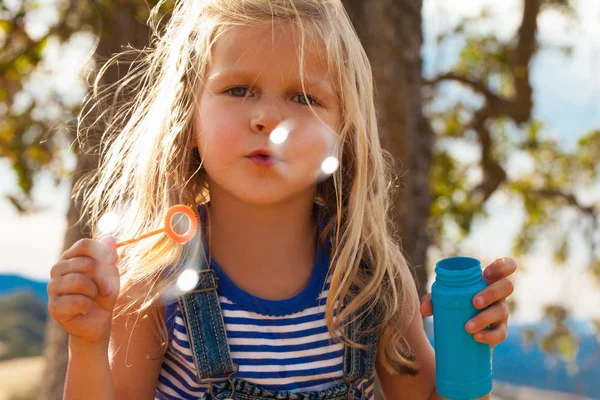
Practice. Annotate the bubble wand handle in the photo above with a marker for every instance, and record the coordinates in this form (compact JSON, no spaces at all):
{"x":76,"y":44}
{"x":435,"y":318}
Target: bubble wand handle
{"x":137,"y":239}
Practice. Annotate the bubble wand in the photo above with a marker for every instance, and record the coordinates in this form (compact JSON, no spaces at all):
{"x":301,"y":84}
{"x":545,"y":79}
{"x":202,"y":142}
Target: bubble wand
{"x":168,"y":228}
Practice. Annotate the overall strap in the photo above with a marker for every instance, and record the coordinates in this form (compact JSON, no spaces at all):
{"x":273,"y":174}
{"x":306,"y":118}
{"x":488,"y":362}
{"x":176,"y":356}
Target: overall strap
{"x":360,"y":362}
{"x":205,"y":326}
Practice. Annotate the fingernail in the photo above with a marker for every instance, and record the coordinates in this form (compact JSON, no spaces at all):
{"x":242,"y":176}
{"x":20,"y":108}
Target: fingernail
{"x":487,"y":273}
{"x":479,"y":301}
{"x":470,"y":326}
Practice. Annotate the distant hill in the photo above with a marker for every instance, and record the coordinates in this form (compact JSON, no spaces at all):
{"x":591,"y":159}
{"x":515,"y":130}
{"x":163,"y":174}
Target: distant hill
{"x":23,"y":311}
{"x":22,"y":325}
{"x":11,"y":284}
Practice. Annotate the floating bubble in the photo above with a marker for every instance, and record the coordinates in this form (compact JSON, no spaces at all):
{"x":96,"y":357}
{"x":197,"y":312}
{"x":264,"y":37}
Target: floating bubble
{"x":108,"y":223}
{"x":187,"y":280}
{"x":330,"y":165}
{"x":279,"y":134}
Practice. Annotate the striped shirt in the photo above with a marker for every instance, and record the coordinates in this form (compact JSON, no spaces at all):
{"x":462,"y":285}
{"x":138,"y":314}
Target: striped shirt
{"x":279,"y":345}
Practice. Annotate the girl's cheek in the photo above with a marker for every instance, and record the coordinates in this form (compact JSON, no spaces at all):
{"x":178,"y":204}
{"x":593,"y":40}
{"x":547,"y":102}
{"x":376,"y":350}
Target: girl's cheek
{"x":311,"y":147}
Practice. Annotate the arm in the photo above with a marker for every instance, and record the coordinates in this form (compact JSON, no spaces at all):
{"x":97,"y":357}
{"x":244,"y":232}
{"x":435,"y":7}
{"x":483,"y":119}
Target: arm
{"x":88,"y":374}
{"x":127,"y":367}
{"x":406,"y":387}
{"x":421,"y":386}
{"x":135,"y":353}
{"x":82,"y":295}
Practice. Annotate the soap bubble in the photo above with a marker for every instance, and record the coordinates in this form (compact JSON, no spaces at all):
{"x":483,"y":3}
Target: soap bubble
{"x":330,"y":165}
{"x":187,"y":280}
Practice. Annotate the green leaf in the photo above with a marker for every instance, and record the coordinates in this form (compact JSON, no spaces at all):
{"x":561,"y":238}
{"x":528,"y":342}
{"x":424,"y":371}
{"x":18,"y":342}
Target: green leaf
{"x":5,"y":25}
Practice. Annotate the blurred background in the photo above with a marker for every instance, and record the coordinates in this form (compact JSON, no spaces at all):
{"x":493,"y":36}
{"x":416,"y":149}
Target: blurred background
{"x":490,"y":109}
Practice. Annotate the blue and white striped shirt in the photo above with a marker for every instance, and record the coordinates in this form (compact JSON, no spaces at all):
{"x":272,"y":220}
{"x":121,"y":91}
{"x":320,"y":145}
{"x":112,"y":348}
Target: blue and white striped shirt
{"x":279,"y":345}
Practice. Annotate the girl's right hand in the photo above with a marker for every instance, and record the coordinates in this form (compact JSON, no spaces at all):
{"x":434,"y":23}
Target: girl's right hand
{"x":83,"y":289}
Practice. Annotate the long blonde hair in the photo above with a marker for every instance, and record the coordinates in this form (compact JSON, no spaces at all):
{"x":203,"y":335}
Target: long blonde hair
{"x":147,"y":164}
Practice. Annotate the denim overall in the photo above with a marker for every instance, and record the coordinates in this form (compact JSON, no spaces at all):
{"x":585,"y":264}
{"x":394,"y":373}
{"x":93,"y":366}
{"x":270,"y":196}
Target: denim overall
{"x":202,"y":315}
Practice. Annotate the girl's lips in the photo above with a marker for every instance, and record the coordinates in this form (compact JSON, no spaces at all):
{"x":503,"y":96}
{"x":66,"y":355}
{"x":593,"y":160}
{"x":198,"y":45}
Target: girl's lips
{"x":263,"y":160}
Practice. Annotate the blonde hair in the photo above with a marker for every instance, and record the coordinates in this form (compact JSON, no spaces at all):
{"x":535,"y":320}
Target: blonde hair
{"x":147,"y":164}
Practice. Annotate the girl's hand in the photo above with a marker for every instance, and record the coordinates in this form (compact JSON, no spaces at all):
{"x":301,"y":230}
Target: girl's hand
{"x":83,"y":290}
{"x":493,"y":297}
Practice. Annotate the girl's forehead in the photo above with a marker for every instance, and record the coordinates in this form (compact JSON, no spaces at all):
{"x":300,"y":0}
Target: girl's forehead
{"x":268,"y":49}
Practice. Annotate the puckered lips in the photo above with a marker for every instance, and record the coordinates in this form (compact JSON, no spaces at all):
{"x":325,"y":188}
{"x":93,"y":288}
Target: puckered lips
{"x":263,"y":157}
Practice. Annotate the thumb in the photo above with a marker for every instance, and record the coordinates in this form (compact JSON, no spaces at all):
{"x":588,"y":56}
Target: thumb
{"x":426,"y":308}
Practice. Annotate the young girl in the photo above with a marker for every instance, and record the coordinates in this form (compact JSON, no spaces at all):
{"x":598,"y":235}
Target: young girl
{"x":303,"y":293}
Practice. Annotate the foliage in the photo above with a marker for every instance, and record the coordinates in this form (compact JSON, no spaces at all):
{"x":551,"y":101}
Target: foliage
{"x":30,"y":139}
{"x":33,"y":139}
{"x":500,"y":125}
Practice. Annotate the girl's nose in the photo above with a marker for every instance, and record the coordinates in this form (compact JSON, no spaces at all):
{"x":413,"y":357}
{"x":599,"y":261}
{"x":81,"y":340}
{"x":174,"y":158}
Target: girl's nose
{"x":266,"y":118}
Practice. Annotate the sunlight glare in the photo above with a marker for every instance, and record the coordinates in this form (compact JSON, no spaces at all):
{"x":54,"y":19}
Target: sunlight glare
{"x":279,"y":135}
{"x":187,"y":280}
{"x":330,"y":165}
{"x":108,"y":223}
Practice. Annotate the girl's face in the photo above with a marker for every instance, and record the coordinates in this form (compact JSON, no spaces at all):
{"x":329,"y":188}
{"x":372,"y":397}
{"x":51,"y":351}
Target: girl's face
{"x":253,"y":86}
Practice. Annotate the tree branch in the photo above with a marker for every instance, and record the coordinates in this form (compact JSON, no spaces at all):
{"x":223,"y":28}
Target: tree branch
{"x":493,"y":173}
{"x":518,"y":108}
{"x":477,"y":86}
{"x":568,"y":197}
{"x":521,"y":57}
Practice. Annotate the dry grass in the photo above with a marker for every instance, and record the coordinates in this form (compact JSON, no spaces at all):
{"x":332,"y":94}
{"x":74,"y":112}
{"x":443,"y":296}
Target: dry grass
{"x":20,"y":377}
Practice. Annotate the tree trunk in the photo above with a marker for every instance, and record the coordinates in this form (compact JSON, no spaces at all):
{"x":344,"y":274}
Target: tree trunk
{"x":391,"y":31}
{"x":121,"y":27}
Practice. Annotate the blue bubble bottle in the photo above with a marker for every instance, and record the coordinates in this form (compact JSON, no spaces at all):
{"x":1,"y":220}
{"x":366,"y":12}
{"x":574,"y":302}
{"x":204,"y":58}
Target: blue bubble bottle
{"x":463,"y":365}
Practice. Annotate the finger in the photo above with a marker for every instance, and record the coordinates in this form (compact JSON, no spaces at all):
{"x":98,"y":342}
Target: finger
{"x":499,"y":269}
{"x":75,"y":283}
{"x":84,"y":265}
{"x":66,"y":307}
{"x":99,"y":250}
{"x":493,"y":293}
{"x":494,"y":314}
{"x":495,"y":335}
{"x":426,"y":308}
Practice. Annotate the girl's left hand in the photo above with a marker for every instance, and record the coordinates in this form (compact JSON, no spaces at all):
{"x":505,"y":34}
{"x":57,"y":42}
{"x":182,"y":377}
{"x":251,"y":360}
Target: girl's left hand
{"x":493,"y":297}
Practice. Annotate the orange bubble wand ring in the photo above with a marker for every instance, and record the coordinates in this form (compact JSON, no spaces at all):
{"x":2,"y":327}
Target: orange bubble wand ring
{"x":168,"y":229}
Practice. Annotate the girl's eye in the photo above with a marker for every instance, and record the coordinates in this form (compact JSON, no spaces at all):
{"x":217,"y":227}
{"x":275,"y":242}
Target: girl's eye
{"x":307,"y":99}
{"x":239,"y":91}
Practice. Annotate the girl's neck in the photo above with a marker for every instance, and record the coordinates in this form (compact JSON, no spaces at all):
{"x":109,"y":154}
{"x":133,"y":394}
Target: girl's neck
{"x":272,"y":244}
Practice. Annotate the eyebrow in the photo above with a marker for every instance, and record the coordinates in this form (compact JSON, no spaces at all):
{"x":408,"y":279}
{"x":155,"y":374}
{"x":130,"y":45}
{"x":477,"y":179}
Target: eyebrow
{"x":317,"y":82}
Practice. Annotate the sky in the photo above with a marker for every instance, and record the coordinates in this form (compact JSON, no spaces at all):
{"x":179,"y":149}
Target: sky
{"x":567,"y":92}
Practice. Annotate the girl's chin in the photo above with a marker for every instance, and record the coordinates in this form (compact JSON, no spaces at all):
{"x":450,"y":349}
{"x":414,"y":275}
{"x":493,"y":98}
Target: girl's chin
{"x":264,"y":199}
{"x":273,"y":197}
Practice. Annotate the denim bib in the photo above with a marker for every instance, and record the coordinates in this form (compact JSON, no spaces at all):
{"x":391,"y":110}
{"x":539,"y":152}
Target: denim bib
{"x":214,"y":366}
